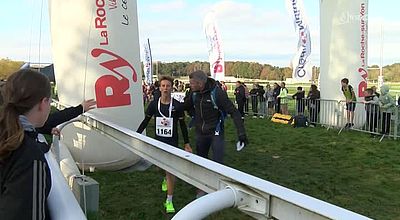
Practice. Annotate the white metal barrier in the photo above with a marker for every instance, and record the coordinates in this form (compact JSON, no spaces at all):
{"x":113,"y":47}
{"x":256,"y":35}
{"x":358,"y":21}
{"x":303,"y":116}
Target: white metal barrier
{"x":61,"y":201}
{"x":333,"y":114}
{"x":256,"y":197}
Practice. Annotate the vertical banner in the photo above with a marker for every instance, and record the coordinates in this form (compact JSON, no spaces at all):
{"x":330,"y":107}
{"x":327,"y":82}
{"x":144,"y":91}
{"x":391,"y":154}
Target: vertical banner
{"x":96,"y":54}
{"x":344,"y":49}
{"x":301,"y":66}
{"x":215,"y":49}
{"x":100,"y":58}
{"x":148,"y":64}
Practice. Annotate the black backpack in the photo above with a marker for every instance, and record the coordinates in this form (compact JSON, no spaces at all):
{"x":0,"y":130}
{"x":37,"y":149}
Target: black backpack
{"x":300,"y":121}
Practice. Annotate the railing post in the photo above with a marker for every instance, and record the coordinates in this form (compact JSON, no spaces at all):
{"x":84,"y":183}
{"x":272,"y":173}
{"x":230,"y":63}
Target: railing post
{"x":396,"y":121}
{"x":56,"y":139}
{"x":208,"y":204}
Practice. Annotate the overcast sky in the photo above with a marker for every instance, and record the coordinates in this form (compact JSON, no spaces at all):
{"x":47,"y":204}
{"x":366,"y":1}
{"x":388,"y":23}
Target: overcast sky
{"x":256,"y":30}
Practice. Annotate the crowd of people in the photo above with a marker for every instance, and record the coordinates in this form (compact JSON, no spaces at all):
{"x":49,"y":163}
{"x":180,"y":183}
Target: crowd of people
{"x":152,"y":91}
{"x":379,"y":108}
{"x":275,"y":99}
{"x":25,"y":110}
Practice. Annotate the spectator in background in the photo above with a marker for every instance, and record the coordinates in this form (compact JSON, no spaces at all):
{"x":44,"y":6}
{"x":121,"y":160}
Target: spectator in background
{"x":223,"y":86}
{"x":144,"y":92}
{"x":261,"y":98}
{"x":387,"y":104}
{"x":299,"y":96}
{"x":254,"y":100}
{"x":240,"y":97}
{"x":247,"y":95}
{"x":275,"y":94}
{"x":313,"y":104}
{"x":181,"y":86}
{"x":156,"y":90}
{"x":176,"y":85}
{"x":187,"y":89}
{"x":270,"y":99}
{"x":351,"y":100}
{"x":375,"y":92}
{"x":283,"y":99}
{"x":371,"y":109}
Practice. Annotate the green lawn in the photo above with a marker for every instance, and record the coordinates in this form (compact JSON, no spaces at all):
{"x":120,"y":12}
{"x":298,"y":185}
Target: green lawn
{"x":351,"y":170}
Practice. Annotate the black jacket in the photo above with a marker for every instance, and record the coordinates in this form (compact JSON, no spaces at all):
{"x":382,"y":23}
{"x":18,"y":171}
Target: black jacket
{"x":60,"y":117}
{"x":206,"y":116}
{"x":240,"y":94}
{"x":314,"y":102}
{"x":299,"y":95}
{"x":276,"y":92}
{"x":25,"y":181}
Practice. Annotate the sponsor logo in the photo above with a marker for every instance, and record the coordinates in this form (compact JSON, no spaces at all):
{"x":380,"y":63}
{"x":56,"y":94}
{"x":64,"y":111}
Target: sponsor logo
{"x":362,"y":86}
{"x":112,"y":87}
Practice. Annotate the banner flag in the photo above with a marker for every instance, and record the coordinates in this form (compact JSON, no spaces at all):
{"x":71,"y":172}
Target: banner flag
{"x":215,"y":49}
{"x":300,"y":62}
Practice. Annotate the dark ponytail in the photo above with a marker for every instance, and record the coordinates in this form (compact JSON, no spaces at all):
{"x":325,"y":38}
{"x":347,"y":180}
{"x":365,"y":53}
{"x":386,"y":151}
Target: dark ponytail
{"x":23,"y":90}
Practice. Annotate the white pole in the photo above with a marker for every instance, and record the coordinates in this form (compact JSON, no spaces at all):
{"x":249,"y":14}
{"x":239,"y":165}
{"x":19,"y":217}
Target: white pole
{"x":208,"y":204}
{"x":381,"y":58}
{"x":380,"y":77}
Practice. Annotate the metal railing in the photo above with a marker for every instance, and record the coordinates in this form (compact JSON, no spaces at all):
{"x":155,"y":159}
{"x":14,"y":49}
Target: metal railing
{"x":368,"y":117}
{"x":256,"y":197}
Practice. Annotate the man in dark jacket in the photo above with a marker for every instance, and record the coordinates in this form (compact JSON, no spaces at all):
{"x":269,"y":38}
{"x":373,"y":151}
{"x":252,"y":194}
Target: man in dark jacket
{"x":208,"y":117}
{"x":240,"y":97}
{"x":277,"y":101}
{"x":300,"y":104}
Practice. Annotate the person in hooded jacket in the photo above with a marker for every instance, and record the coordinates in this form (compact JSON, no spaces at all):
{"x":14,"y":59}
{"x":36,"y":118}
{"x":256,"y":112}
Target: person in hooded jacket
{"x":387,"y":105}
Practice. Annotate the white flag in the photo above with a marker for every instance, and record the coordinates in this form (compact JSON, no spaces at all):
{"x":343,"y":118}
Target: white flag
{"x":147,"y":64}
{"x":300,"y":62}
{"x":215,"y":49}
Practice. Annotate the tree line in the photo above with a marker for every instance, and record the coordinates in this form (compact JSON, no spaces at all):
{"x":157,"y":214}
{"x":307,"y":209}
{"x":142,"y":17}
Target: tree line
{"x":8,"y":66}
{"x":239,"y":69}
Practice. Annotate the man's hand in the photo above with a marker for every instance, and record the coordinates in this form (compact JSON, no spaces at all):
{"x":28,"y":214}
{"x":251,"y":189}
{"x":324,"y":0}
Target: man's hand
{"x":88,"y":104}
{"x":188,"y":148}
{"x":242,"y":142}
{"x":55,"y":131}
{"x":243,"y":139}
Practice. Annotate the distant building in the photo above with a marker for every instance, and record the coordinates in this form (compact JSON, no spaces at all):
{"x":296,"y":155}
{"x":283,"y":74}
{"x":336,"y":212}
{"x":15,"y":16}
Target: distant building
{"x":45,"y":68}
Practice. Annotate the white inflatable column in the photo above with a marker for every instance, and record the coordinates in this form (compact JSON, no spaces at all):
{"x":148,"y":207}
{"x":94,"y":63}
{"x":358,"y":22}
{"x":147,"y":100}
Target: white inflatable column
{"x":343,"y":54}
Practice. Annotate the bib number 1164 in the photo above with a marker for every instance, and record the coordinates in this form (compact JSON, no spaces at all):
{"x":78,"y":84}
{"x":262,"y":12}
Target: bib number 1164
{"x":164,"y":132}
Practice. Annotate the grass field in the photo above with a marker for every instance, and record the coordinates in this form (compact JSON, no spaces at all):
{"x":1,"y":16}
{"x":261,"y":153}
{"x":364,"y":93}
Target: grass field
{"x":351,"y":170}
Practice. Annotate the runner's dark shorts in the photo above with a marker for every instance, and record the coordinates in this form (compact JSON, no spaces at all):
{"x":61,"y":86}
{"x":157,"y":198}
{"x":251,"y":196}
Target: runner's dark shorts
{"x":351,"y":106}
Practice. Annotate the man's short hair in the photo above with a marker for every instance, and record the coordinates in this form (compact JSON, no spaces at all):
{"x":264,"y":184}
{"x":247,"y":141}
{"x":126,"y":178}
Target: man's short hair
{"x":299,"y":88}
{"x":198,"y":75}
{"x":168,"y":78}
{"x":345,"y":80}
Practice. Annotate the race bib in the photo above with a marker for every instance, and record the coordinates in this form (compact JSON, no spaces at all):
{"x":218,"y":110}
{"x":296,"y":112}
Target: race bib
{"x":164,"y":127}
